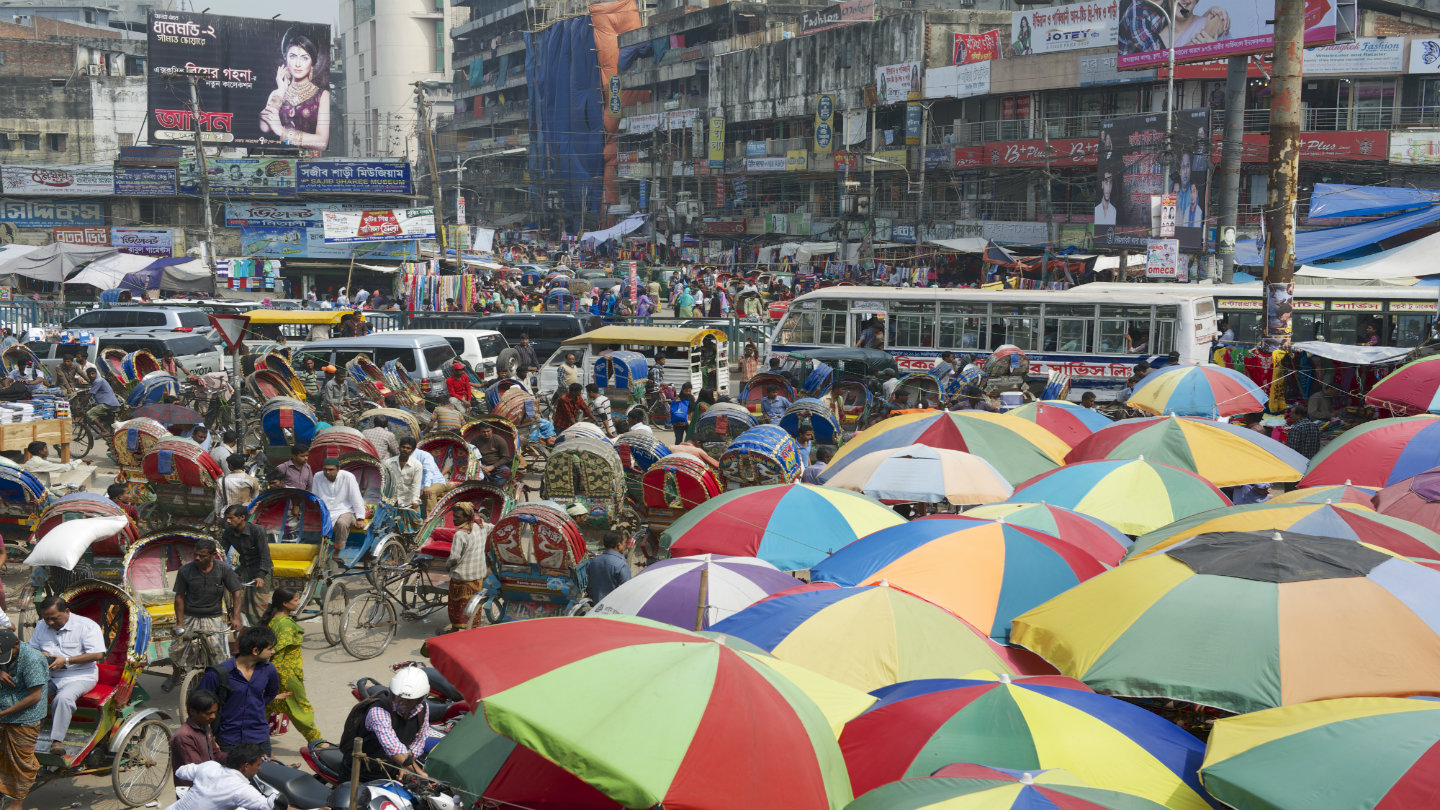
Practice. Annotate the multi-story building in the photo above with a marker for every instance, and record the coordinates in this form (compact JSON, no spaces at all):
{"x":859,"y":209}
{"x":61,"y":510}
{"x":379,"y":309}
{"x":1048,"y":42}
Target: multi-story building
{"x":121,"y":15}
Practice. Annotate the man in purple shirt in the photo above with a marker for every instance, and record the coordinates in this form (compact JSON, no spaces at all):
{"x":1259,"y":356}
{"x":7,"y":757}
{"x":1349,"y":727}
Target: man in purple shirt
{"x":251,"y":683}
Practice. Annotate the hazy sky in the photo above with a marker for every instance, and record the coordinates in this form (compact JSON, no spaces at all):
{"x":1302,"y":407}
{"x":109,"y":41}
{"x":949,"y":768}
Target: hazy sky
{"x":321,"y":11}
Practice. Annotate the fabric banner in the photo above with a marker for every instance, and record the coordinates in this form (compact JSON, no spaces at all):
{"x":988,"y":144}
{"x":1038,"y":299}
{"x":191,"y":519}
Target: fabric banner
{"x":976,"y":47}
{"x":96,"y":180}
{"x":131,"y":181}
{"x":484,"y":241}
{"x":895,"y":82}
{"x":159,"y":242}
{"x":382,"y":225}
{"x":824,"y":126}
{"x":341,"y":176}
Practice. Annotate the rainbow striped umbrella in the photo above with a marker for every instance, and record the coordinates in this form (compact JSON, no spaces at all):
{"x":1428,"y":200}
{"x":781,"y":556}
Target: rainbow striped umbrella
{"x":1106,"y":543}
{"x":1026,"y":724}
{"x":1378,"y":453}
{"x":1346,"y":493}
{"x":1411,"y":389}
{"x":1348,"y":754}
{"x":984,"y":571}
{"x":790,"y":526}
{"x":1133,"y":496}
{"x":966,"y":786}
{"x":670,"y":590}
{"x":1201,"y":390}
{"x":1246,"y":621}
{"x":1070,"y":422}
{"x":1225,"y":455}
{"x":1018,"y":449}
{"x":924,"y":474}
{"x":1345,"y":521}
{"x":868,"y":637}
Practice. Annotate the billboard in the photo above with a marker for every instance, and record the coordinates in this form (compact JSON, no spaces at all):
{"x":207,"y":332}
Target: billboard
{"x":134,"y":181}
{"x":381,"y":225}
{"x":158,"y":242}
{"x":824,"y":126}
{"x":1209,"y":30}
{"x":976,"y":47}
{"x":260,"y":82}
{"x":895,"y":82}
{"x":241,"y":177}
{"x":837,"y":15}
{"x":50,"y":213}
{"x":1063,"y":28}
{"x":57,"y":181}
{"x":1131,"y":166}
{"x":343,"y":176}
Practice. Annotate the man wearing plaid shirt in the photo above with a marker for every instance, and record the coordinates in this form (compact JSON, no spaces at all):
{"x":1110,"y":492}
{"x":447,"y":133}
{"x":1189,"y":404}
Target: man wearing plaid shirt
{"x":380,"y":721}
{"x":1141,"y":28}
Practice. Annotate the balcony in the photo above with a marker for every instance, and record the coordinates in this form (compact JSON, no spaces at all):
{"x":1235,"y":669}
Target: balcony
{"x":664,"y":105}
{"x":494,"y":114}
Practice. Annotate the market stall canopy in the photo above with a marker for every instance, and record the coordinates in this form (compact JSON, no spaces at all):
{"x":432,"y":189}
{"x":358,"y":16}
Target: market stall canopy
{"x":969,"y":244}
{"x":1359,"y":355}
{"x":106,"y":273}
{"x":53,"y":263}
{"x":1407,"y":261}
{"x":179,"y":273}
{"x":627,"y":225}
{"x":1322,"y":243}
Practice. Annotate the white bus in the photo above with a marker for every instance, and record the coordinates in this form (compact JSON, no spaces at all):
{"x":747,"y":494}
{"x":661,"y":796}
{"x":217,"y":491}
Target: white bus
{"x":1097,"y":339}
{"x":1402,"y":316}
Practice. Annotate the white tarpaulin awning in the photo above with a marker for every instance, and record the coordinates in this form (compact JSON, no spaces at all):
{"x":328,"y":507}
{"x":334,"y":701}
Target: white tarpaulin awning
{"x":625,"y":226}
{"x":106,"y":273}
{"x":1360,"y":355}
{"x":1407,"y":261}
{"x":53,"y":263}
{"x":969,"y":244}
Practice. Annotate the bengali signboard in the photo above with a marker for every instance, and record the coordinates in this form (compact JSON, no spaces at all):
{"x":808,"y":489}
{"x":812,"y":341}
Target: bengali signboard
{"x":241,"y":214}
{"x":380,"y":225}
{"x":1217,"y":28}
{"x":716,"y":148}
{"x":132,"y":181}
{"x":96,"y":180}
{"x":1363,"y":55}
{"x":88,"y":235}
{"x":343,"y":176}
{"x":969,"y":48}
{"x":309,"y":243}
{"x":834,"y":16}
{"x":1064,"y":28}
{"x":30,"y":213}
{"x":896,"y":82}
{"x":765,"y":164}
{"x":165,"y":157}
{"x":796,"y":160}
{"x":261,"y":83}
{"x":824,"y":126}
{"x":958,"y":81}
{"x":158,"y":242}
{"x":241,"y":177}
{"x":1132,"y":169}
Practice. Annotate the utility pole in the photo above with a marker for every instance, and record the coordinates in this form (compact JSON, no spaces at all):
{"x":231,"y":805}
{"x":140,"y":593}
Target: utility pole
{"x":1230,"y":155}
{"x":204,"y":186}
{"x":920,"y":196}
{"x":1280,"y":197}
{"x":436,"y":191}
{"x":874,"y":143}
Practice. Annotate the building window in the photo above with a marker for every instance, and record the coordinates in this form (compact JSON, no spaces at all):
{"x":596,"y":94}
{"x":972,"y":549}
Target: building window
{"x":31,"y":141}
{"x":7,"y":142}
{"x":56,"y":141}
{"x":374,"y":54}
{"x":439,"y":43}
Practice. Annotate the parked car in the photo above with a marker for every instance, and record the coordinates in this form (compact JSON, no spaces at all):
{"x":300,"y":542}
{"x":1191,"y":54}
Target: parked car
{"x":424,"y":357}
{"x":133,"y":319}
{"x":194,"y":351}
{"x":547,"y":330}
{"x":484,"y":349}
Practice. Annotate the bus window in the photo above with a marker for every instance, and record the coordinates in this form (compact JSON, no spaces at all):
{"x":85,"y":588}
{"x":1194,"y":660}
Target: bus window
{"x":857,"y":328}
{"x":798,"y":327}
{"x":1017,"y":325}
{"x":912,"y":324}
{"x":1066,"y":326}
{"x":832,"y":323}
{"x":1345,"y":327}
{"x":1308,"y":325}
{"x":1409,"y":330}
{"x":1164,"y":340}
{"x":1123,"y":330}
{"x":1245,"y":325}
{"x":962,"y":325}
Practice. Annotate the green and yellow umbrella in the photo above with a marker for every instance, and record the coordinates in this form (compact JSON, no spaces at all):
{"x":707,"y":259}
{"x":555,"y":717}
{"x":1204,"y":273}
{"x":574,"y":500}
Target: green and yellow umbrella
{"x":1133,"y":496}
{"x":1018,"y":449}
{"x":966,"y":786}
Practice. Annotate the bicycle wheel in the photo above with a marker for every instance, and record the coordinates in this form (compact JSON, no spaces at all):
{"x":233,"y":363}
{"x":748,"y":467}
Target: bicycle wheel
{"x":369,"y":625}
{"x":82,"y":438}
{"x":189,"y":685}
{"x":386,"y":569}
{"x":332,"y":610}
{"x":420,"y":595}
{"x":142,"y":763}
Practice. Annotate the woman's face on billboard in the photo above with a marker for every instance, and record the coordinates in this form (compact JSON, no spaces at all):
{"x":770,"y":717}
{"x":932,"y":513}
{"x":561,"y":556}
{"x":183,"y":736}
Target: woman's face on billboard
{"x":298,"y":62}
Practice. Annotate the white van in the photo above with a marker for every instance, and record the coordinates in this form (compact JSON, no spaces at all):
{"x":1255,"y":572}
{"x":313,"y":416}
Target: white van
{"x":486,"y":350}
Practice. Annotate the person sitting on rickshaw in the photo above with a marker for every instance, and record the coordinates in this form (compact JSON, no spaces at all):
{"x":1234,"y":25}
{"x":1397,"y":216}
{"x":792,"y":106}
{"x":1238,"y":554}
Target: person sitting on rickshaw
{"x":495,"y":454}
{"x":340,"y":492}
{"x":340,"y":391}
{"x":457,"y":385}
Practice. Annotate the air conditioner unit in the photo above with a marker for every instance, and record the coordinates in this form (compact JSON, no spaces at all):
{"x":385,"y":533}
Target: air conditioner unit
{"x":97,"y":70}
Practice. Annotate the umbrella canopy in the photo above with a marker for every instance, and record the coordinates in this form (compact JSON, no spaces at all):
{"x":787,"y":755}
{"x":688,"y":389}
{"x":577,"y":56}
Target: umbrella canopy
{"x":1203,"y":390}
{"x":648,"y":714}
{"x":1071,"y":423}
{"x":1224,"y":455}
{"x":1353,"y":753}
{"x":1414,"y":499}
{"x":924,"y":474}
{"x":984,"y":571}
{"x":1133,"y":496}
{"x":965,"y":785}
{"x":867,"y":637}
{"x":669,"y":591}
{"x":168,"y":414}
{"x":1026,"y":724}
{"x":791,"y":526}
{"x":1411,"y":389}
{"x":1378,"y":453}
{"x":1104,"y":542}
{"x":1345,"y":521}
{"x":1018,"y":449}
{"x":1334,"y":493}
{"x":1247,"y":621}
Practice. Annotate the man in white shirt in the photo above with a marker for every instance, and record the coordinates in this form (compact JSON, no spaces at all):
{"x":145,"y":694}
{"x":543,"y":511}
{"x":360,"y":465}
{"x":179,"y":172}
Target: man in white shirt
{"x":74,"y":647}
{"x":406,"y":475}
{"x":433,"y":481}
{"x":38,"y":461}
{"x":223,"y":449}
{"x":340,"y":492}
{"x":600,"y":407}
{"x":227,"y":786}
{"x":236,"y":486}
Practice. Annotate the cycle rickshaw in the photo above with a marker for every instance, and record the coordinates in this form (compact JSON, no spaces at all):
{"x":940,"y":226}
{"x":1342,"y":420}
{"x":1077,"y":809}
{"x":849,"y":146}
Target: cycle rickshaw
{"x":536,"y":558}
{"x":765,"y":454}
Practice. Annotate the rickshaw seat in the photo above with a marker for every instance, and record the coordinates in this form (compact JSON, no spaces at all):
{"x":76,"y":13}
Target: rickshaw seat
{"x":436,"y":549}
{"x":100,"y":694}
{"x":293,"y":560}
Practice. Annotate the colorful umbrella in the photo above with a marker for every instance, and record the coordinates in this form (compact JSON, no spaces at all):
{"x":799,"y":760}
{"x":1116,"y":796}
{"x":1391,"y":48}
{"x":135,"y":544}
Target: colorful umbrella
{"x":1345,"y":521}
{"x":1411,"y":389}
{"x":924,"y":474}
{"x":1018,"y":449}
{"x":1247,"y":621}
{"x":964,"y":785}
{"x":1071,"y":423}
{"x":1334,"y":493}
{"x":1378,"y":453}
{"x":868,"y":637}
{"x":790,"y":526}
{"x":670,"y":590}
{"x":1414,"y":499}
{"x":1026,"y":724}
{"x":1205,"y":390}
{"x":648,"y":714}
{"x":1133,"y":496}
{"x":1106,"y":543}
{"x":1346,"y":754}
{"x":984,"y":571}
{"x":1225,"y":455}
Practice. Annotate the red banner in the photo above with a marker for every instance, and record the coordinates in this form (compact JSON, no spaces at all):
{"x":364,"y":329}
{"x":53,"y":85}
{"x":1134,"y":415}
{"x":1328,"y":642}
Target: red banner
{"x":969,"y":157}
{"x":1373,"y":145}
{"x":976,"y":47}
{"x":1063,"y":152}
{"x":846,"y":161}
{"x":729,"y":226}
{"x":78,"y":235}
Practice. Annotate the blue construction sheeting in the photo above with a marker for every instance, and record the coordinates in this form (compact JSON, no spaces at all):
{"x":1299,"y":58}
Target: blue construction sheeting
{"x":567,"y":152}
{"x":1341,"y":200}
{"x":1322,"y":243}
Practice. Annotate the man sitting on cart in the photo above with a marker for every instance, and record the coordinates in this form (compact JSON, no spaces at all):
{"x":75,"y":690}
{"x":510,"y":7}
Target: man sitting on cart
{"x":340,"y":492}
{"x":495,"y":454}
{"x":74,"y":646}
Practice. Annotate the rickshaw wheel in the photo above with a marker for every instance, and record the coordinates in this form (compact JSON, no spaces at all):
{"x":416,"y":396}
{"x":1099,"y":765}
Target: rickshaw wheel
{"x":332,"y":610}
{"x":386,"y":566}
{"x":142,"y":763}
{"x":369,"y":625}
{"x":189,"y":685}
{"x":306,"y":592}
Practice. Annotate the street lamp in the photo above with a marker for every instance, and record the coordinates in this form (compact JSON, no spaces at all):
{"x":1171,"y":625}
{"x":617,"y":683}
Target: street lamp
{"x":459,"y":170}
{"x":908,"y":185}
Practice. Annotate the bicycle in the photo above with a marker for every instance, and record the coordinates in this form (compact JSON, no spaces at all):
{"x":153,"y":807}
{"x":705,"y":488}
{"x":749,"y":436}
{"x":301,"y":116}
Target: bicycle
{"x":193,"y":643}
{"x":407,"y":591}
{"x":85,"y":431}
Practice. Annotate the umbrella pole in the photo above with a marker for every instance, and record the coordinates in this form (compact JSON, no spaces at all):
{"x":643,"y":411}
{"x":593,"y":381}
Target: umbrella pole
{"x":704,"y":597}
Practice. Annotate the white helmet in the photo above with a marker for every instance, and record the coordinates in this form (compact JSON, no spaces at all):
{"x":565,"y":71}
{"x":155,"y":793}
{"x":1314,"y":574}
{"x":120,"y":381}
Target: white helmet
{"x":410,"y":683}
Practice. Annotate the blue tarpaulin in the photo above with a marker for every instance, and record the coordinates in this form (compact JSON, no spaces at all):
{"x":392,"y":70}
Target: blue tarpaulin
{"x":1340,"y":200}
{"x":566,"y":114}
{"x":1322,"y":243}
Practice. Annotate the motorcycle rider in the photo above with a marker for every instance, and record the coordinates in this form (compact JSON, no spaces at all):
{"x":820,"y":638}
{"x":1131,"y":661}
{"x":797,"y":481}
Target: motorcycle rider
{"x":394,"y":731}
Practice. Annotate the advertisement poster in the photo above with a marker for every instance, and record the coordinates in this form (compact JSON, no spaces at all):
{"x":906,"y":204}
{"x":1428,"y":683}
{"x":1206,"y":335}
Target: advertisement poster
{"x":381,"y":225}
{"x":50,"y":213}
{"x":260,"y":82}
{"x":1209,"y":29}
{"x":958,"y":81}
{"x":241,"y":177}
{"x":1131,"y":170}
{"x":914,"y":121}
{"x":309,"y":243}
{"x":1063,"y":28}
{"x":1364,"y":55}
{"x":895,"y":82}
{"x":1424,"y":56}
{"x":976,"y":47}
{"x":59,"y":181}
{"x":131,"y":181}
{"x":824,"y":126}
{"x":1162,"y":258}
{"x":837,"y":15}
{"x":158,"y":242}
{"x":716,"y":150}
{"x":344,"y":176}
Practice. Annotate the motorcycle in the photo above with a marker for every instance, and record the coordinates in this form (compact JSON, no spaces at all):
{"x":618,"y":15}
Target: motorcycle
{"x":445,"y":701}
{"x":298,"y":790}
